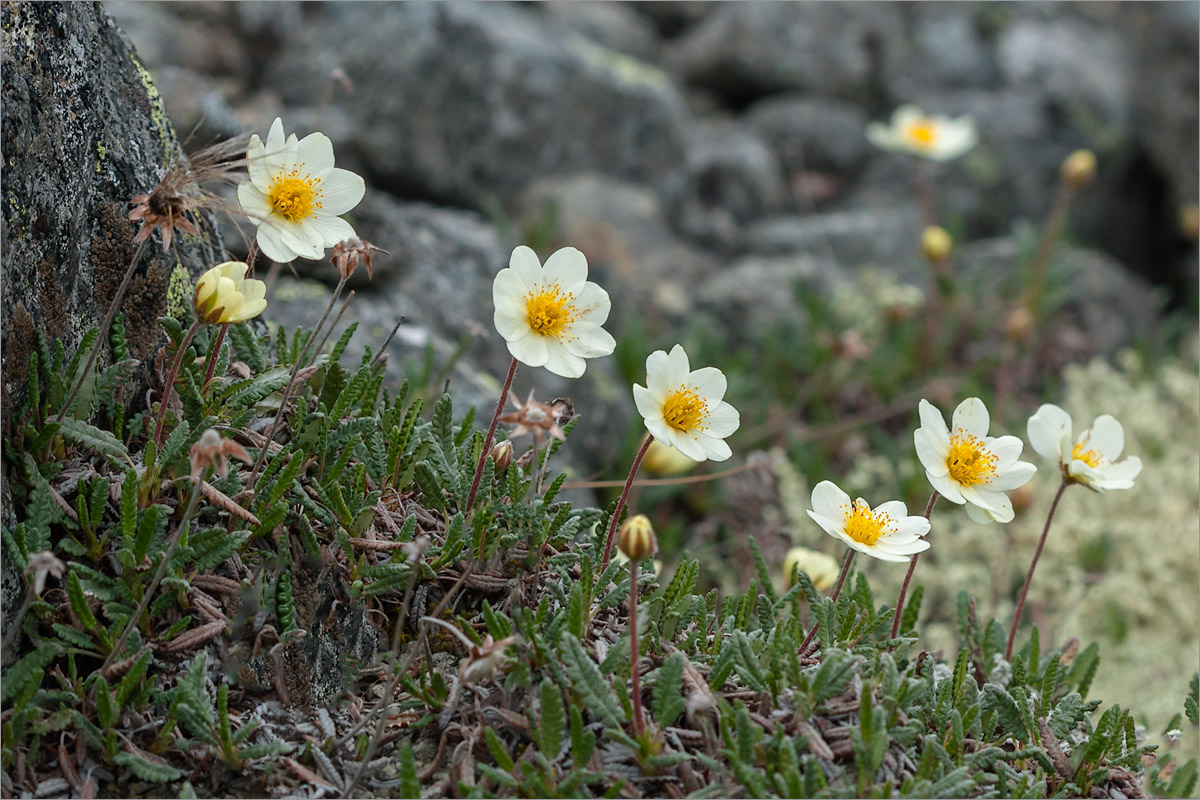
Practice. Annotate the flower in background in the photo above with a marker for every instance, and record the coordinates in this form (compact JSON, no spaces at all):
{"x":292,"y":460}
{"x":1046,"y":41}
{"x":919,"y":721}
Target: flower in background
{"x":664,"y":460}
{"x":1092,"y":458}
{"x":295,"y":195}
{"x":684,"y":408}
{"x":225,"y":294}
{"x":550,"y":315}
{"x":938,"y":138}
{"x":886,"y":532}
{"x":822,"y":569}
{"x":966,"y":465}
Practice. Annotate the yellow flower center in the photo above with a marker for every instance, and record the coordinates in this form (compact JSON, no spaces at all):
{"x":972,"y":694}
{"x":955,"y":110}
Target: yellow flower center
{"x":864,"y":525}
{"x":1089,"y":457}
{"x":922,"y":133}
{"x":549,"y":311}
{"x":293,"y":196}
{"x":969,"y":462}
{"x":684,"y":410}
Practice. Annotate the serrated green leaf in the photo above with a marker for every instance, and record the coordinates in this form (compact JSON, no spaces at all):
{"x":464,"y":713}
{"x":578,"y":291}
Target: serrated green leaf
{"x":92,"y":438}
{"x":588,"y":683}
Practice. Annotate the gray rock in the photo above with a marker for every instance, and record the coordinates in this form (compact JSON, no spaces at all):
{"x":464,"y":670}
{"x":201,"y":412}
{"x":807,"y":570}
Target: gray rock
{"x":471,"y":102}
{"x":811,"y":134}
{"x":754,"y":48}
{"x":761,"y":291}
{"x":942,"y":45}
{"x":631,"y":249}
{"x":84,"y":131}
{"x":732,"y":177}
{"x":616,"y":26}
{"x":852,"y":239}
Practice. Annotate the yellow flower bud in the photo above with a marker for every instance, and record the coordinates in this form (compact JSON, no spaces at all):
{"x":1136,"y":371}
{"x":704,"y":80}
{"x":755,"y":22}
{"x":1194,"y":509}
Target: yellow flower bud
{"x":636,"y":538}
{"x":225,"y":294}
{"x":1189,"y":221}
{"x":822,"y":569}
{"x":502,"y":453}
{"x":936,"y":244}
{"x":662,"y":459}
{"x":1079,"y":168}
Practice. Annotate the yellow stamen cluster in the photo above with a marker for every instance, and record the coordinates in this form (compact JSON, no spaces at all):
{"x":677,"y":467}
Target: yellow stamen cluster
{"x":549,"y":311}
{"x":684,"y":410}
{"x":969,"y":462}
{"x":921,"y":133}
{"x":1089,"y":457}
{"x":864,"y":525}
{"x":295,"y":196}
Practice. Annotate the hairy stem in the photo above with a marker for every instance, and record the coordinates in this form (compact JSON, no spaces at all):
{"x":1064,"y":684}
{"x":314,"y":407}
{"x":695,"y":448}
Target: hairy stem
{"x":912,"y":567}
{"x":487,"y":440}
{"x":170,"y":385}
{"x":616,"y":515}
{"x":214,"y":357}
{"x":1012,"y":632}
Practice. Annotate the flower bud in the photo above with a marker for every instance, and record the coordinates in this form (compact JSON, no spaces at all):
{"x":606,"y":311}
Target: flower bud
{"x":1018,"y":325}
{"x":224,"y":294}
{"x":936,"y":244}
{"x":1189,"y":221}
{"x":636,"y":538}
{"x":662,"y":459}
{"x":502,"y":455}
{"x":821,"y":569}
{"x":1079,"y":168}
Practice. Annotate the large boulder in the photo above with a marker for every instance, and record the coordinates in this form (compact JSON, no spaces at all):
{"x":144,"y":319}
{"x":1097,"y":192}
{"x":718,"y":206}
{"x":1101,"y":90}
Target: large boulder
{"x":83,"y":132}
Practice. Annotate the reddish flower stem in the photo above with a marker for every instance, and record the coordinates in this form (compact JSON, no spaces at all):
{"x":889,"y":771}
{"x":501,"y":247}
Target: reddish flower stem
{"x":174,"y":373}
{"x":491,"y":434}
{"x":639,"y":724}
{"x":912,"y":567}
{"x":214,"y":357}
{"x":616,"y":515}
{"x":836,"y":591}
{"x":1012,"y":632}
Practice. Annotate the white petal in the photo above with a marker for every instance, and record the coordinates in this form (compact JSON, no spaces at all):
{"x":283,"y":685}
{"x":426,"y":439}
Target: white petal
{"x":933,"y":421}
{"x":946,"y":486}
{"x":830,"y":501}
{"x":507,"y":287}
{"x":882,"y":555}
{"x":330,"y":230}
{"x":593,"y":304}
{"x":972,"y":416}
{"x":524,"y":262}
{"x":661,"y":431}
{"x":341,"y":190}
{"x":258,"y":165}
{"x":530,"y":350}
{"x":1107,"y":437}
{"x":1046,"y":429}
{"x":690,"y":445}
{"x":563,"y":363}
{"x":587,"y":340}
{"x":912,"y":526}
{"x":983,"y":498}
{"x":905,"y":115}
{"x":1006,"y":449}
{"x":304,"y":240}
{"x":658,"y":367}
{"x":272,"y":245}
{"x":568,"y":268}
{"x":931,"y":451}
{"x":907,"y":548}
{"x":881,"y":136}
{"x":722,"y":421}
{"x":977,"y":514}
{"x":678,"y":368}
{"x":1123,"y":472}
{"x":709,"y":383}
{"x":315,"y":153}
{"x":511,"y":325}
{"x":714,"y":449}
{"x":646,"y":405}
{"x":830,"y":526}
{"x":1012,"y":477}
{"x":255,"y":203}
{"x":275,"y":137}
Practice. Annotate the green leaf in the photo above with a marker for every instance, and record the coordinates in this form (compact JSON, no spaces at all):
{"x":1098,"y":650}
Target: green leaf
{"x":1008,"y":715}
{"x":583,"y":742}
{"x":496,"y":748}
{"x":588,"y":683}
{"x":668,"y":700}
{"x":745,"y":661}
{"x":79,"y":602}
{"x":1193,"y":699}
{"x":28,"y":670}
{"x":410,"y":787}
{"x":154,"y":771}
{"x":764,"y":573}
{"x":91,"y":437}
{"x":553,"y":720}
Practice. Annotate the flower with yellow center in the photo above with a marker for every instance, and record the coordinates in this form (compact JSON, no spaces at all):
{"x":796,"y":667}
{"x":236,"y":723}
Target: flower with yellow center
{"x":935,"y":137}
{"x":1092,"y":458}
{"x":684,"y":408}
{"x":224,"y":294}
{"x":550,"y":315}
{"x":966,"y":465}
{"x":820,"y":568}
{"x":295,"y":195}
{"x":886,"y":532}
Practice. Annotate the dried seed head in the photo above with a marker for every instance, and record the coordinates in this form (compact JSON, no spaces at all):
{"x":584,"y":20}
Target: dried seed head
{"x":347,"y":255}
{"x":539,"y":419}
{"x":40,"y":565}
{"x":636,"y":538}
{"x":211,"y":450}
{"x":484,"y":659}
{"x":1079,"y":168}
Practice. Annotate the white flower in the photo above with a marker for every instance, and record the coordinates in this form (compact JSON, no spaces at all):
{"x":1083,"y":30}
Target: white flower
{"x":295,"y":195}
{"x":887,"y":532}
{"x":551,"y":315}
{"x":937,"y":138}
{"x":966,"y":465}
{"x":820,"y":568}
{"x":1092,"y":458}
{"x":682,"y":407}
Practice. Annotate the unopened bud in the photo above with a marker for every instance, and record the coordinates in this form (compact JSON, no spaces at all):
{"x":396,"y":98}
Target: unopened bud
{"x":1079,"y":168}
{"x":1018,"y":325}
{"x":1189,"y":221}
{"x":936,"y":244}
{"x":1021,"y":498}
{"x":662,"y":459}
{"x":820,"y":568}
{"x":502,"y":455}
{"x":636,"y":538}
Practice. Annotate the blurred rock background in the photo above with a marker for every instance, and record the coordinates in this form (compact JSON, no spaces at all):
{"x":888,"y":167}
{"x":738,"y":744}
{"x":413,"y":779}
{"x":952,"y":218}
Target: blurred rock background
{"x":709,"y":159}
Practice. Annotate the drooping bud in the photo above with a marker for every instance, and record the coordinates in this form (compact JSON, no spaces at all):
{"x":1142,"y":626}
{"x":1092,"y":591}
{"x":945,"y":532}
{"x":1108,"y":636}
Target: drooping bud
{"x":502,"y":455}
{"x":936,"y":244}
{"x":1079,"y":168}
{"x":820,"y":568}
{"x":636,"y":538}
